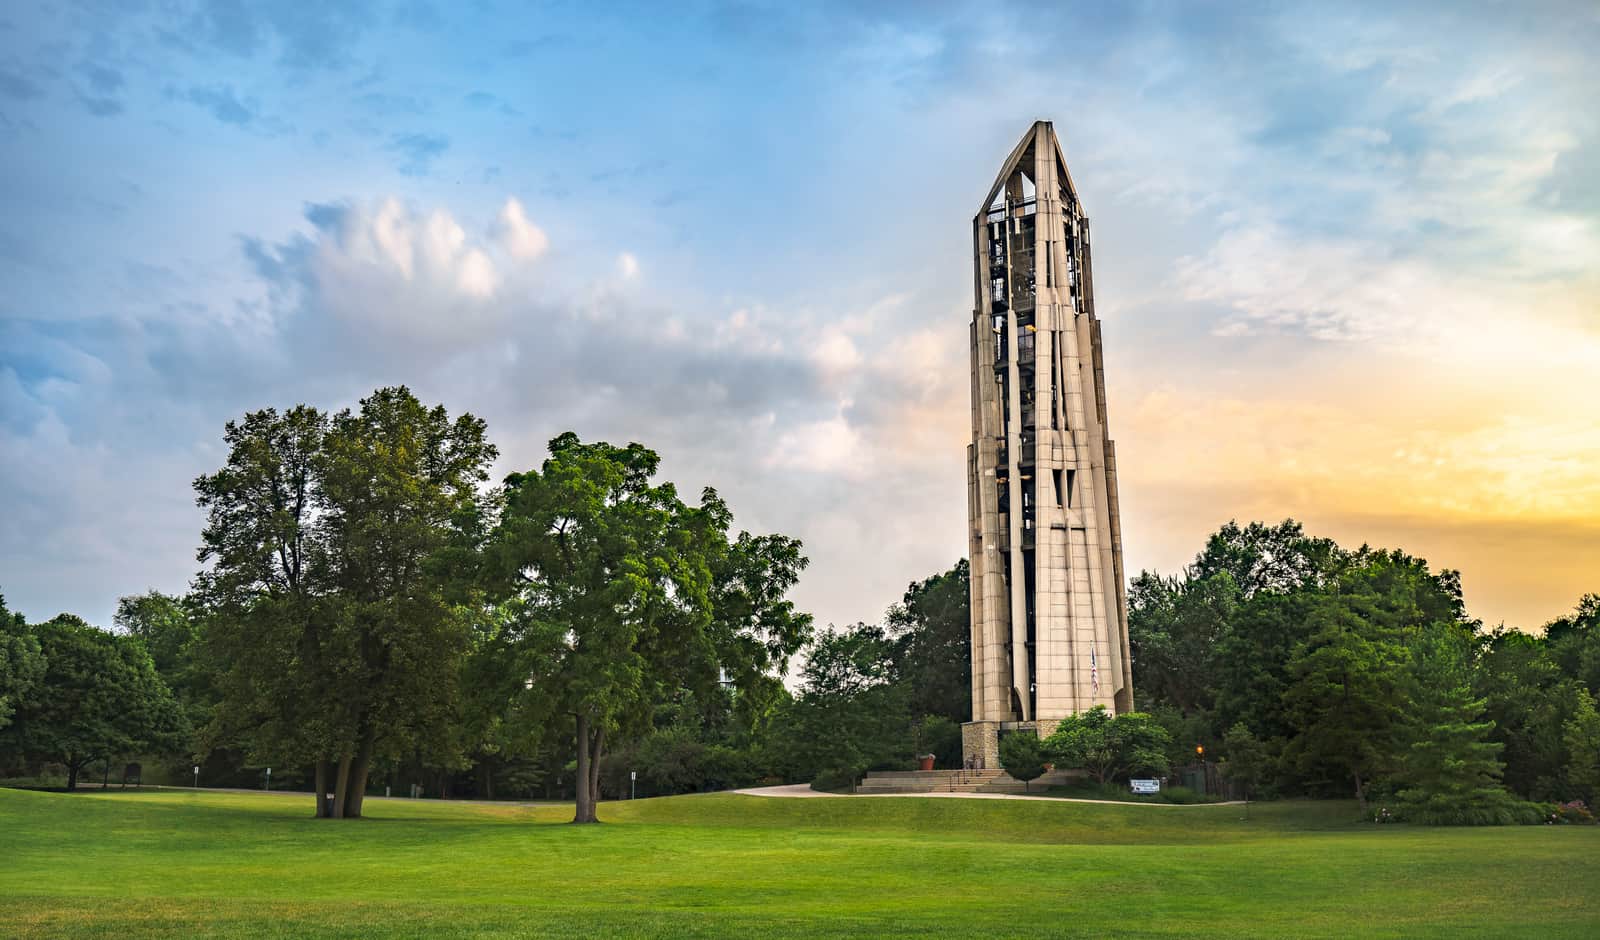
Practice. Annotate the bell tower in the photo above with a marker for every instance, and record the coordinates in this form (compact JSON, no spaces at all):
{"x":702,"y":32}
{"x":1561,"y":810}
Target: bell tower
{"x":1049,"y":609}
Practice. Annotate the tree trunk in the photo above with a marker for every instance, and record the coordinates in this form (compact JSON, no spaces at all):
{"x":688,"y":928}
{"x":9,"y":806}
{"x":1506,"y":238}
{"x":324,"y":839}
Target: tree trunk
{"x":72,"y":775}
{"x":322,"y":789}
{"x":594,"y":769}
{"x":582,"y":787}
{"x":1361,"y":794}
{"x":341,"y":786}
{"x":488,"y":780}
{"x":358,"y":777}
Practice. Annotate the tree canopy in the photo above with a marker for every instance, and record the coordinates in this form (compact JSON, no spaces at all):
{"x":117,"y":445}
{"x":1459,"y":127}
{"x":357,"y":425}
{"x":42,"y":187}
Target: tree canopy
{"x":334,"y":617}
{"x":619,"y":593}
{"x":98,"y":697}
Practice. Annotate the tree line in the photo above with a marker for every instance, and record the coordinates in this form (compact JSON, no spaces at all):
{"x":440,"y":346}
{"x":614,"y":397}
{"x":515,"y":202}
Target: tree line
{"x":372,"y":614}
{"x":1359,"y":673}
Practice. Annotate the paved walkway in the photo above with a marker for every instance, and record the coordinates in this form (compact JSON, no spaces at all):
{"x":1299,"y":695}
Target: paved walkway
{"x":804,"y":791}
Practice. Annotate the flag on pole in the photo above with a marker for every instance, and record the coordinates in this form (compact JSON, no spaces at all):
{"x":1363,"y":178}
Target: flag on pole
{"x":1094,"y":668}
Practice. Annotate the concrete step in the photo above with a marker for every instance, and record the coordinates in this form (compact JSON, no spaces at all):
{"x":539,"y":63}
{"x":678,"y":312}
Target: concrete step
{"x":929,"y":781}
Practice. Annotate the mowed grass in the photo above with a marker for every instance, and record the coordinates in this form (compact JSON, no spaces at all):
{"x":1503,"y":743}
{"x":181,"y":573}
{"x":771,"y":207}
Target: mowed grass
{"x":168,"y":863}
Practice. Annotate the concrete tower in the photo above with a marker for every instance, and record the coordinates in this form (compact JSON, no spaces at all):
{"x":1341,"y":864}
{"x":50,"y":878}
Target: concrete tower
{"x":1049,"y":613}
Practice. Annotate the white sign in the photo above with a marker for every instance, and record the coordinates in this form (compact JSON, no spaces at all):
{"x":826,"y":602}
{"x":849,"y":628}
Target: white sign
{"x":633,"y":775}
{"x":1145,"y":786}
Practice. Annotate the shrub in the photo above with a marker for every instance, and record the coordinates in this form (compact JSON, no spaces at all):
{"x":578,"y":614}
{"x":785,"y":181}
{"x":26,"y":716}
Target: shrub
{"x":1109,"y":748}
{"x":1574,"y":812}
{"x":941,"y":737}
{"x":834,"y":780}
{"x":1022,"y":756}
{"x":1185,"y":796}
{"x":1440,"y":812}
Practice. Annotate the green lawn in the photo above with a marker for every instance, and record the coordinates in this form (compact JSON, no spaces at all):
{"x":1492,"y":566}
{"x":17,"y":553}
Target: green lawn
{"x":216,"y":864}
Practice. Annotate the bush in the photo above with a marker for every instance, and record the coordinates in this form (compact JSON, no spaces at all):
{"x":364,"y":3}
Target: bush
{"x":672,"y":761}
{"x":1109,"y":748}
{"x":834,"y":780}
{"x":941,"y":737}
{"x":1509,"y":812}
{"x":1186,"y":796}
{"x":1571,"y":813}
{"x":1022,"y":756}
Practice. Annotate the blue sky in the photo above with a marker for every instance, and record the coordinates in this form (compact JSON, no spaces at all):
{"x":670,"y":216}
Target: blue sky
{"x":1346,"y":259}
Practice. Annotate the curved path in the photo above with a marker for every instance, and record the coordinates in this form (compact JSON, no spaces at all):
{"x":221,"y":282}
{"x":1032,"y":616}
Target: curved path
{"x":804,"y":791}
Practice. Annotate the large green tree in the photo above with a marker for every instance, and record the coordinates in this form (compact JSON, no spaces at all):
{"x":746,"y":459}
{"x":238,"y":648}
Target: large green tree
{"x":1449,"y":768}
{"x":170,"y":632}
{"x":1263,"y":559}
{"x":98,"y":697}
{"x":851,"y":714}
{"x":1581,"y":735}
{"x":933,"y":627}
{"x":21,"y":663}
{"x":1176,"y":628}
{"x":1574,"y":641}
{"x":336,"y":608}
{"x":1527,"y":697}
{"x":1344,"y":699}
{"x":618,"y":593}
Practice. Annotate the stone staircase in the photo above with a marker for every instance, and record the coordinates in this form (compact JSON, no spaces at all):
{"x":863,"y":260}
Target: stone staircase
{"x":956,"y":781}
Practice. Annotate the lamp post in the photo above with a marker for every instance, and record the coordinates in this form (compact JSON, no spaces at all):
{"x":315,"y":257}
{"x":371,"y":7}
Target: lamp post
{"x":268,"y":784}
{"x":197,"y":776}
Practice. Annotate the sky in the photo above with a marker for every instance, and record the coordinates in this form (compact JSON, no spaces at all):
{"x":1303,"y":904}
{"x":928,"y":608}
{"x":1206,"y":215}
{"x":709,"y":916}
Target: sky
{"x":1347,"y":263}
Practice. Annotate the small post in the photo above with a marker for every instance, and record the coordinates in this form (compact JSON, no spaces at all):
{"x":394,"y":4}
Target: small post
{"x":197,"y":776}
{"x":268,"y":784}
{"x":633,"y":783}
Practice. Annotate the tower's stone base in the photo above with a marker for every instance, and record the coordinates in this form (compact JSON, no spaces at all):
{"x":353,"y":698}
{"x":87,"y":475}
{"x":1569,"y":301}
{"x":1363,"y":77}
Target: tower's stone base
{"x":980,"y":744}
{"x":980,"y":740}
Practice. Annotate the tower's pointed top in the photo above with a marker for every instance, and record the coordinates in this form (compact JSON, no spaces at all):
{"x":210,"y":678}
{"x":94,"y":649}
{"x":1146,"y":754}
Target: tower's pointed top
{"x":1024,"y":158}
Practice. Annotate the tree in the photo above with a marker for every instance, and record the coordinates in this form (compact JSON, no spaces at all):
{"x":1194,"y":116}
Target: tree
{"x":162,"y":624}
{"x":1343,"y":701}
{"x":618,"y":593}
{"x":1245,"y":760}
{"x":1176,"y":628}
{"x":1581,"y":734}
{"x":1109,"y":748}
{"x":1267,"y":559}
{"x":754,"y":628}
{"x":21,"y":663}
{"x":932,"y":625}
{"x":851,"y":714}
{"x":1022,"y":756}
{"x":1450,"y":770}
{"x":1574,"y":641}
{"x":1528,"y":698}
{"x":98,"y":697}
{"x":335,"y":604}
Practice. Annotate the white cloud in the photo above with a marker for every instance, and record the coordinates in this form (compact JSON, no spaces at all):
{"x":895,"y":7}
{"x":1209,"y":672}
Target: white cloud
{"x":627,"y":266}
{"x":829,"y":446}
{"x":521,"y":238}
{"x":396,"y":273}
